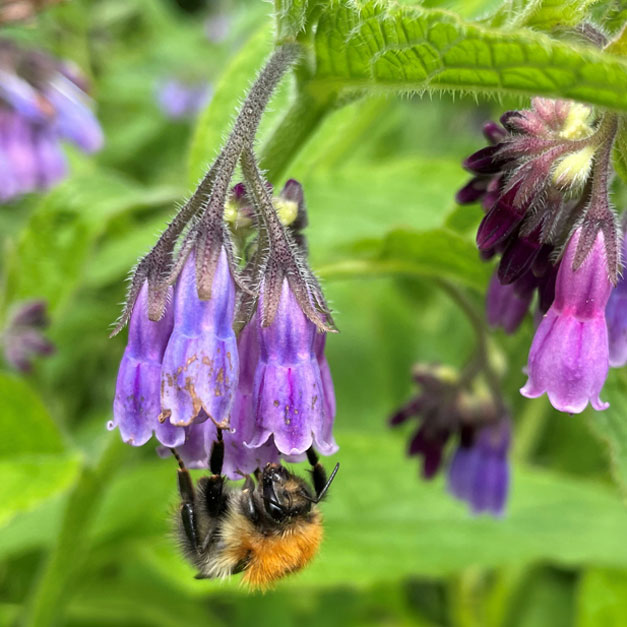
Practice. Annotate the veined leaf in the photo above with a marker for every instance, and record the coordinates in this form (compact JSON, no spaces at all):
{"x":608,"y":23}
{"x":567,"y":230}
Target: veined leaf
{"x":371,"y":46}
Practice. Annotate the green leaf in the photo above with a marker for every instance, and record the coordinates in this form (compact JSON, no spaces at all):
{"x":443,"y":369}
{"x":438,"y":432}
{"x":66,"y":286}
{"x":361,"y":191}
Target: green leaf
{"x":387,"y":47}
{"x":438,"y":253}
{"x":33,"y":462}
{"x":51,"y":253}
{"x":28,"y":481}
{"x":215,"y":121}
{"x":602,"y":598}
{"x":619,"y":156}
{"x":610,"y":426}
{"x":25,"y":424}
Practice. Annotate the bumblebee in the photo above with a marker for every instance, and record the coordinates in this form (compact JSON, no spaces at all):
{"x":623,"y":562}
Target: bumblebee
{"x":266,"y":530}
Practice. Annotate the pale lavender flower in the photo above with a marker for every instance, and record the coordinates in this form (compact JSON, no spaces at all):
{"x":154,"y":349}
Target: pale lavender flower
{"x":569,"y":356}
{"x":137,"y":401}
{"x":200,"y":365}
{"x":178,"y":99}
{"x":288,"y":397}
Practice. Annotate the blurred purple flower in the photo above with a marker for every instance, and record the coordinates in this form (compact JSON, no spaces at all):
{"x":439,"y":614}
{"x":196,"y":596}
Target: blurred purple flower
{"x":22,"y":337}
{"x":41,"y":104}
{"x":178,"y":100}
{"x":479,"y":470}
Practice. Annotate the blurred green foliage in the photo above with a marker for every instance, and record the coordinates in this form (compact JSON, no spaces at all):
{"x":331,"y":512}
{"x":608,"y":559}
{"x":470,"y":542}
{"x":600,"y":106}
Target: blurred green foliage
{"x":379,"y":177}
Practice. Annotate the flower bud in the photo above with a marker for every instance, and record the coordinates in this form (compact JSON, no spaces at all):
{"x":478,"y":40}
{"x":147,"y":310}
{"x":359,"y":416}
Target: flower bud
{"x":574,"y":169}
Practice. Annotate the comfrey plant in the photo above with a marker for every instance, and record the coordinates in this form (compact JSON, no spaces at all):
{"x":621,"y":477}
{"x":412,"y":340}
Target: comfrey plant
{"x":42,"y":102}
{"x":227,"y":322}
{"x":543,"y":184}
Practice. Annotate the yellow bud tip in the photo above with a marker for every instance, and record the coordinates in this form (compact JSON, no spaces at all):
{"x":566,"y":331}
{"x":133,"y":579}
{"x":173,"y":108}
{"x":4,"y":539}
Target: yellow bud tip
{"x":573,"y":170}
{"x":287,"y":210}
{"x":577,"y":123}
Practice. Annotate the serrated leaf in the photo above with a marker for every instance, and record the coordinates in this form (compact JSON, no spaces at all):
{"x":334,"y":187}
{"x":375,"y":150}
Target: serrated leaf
{"x":542,"y":14}
{"x":610,"y":426}
{"x":290,"y":18}
{"x":387,"y":47}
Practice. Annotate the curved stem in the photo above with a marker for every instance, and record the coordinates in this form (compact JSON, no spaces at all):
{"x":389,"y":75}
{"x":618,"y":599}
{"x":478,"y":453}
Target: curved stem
{"x":476,"y":320}
{"x":53,"y":586}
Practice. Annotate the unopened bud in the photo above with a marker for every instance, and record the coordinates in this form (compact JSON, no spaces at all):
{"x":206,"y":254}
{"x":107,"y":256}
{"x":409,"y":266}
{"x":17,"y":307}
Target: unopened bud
{"x":574,"y":169}
{"x":577,"y":123}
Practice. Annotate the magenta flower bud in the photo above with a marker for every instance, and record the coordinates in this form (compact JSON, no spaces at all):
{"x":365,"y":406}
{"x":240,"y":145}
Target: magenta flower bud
{"x":479,"y":472}
{"x":616,"y":316}
{"x":494,"y":132}
{"x":137,"y":402}
{"x":569,"y":356}
{"x":506,"y":306}
{"x":500,"y":221}
{"x":200,"y":364}
{"x":484,"y":161}
{"x":518,"y":256}
{"x":288,"y":395}
{"x":472,"y":191}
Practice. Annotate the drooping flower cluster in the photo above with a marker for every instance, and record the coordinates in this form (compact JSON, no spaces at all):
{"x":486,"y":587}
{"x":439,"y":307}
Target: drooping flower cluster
{"x":42,"y":102}
{"x":215,"y":344}
{"x":543,"y":183}
{"x":22,"y":337}
{"x":478,"y":472}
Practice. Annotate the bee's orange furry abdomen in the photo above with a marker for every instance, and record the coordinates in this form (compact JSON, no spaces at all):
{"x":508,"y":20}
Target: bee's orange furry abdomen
{"x":270,"y":557}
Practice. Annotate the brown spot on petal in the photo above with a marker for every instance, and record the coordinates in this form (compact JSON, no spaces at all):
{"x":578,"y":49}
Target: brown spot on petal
{"x":164,"y":415}
{"x":276,"y":403}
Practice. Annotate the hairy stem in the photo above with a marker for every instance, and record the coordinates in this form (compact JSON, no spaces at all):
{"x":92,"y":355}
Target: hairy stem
{"x":54,"y":584}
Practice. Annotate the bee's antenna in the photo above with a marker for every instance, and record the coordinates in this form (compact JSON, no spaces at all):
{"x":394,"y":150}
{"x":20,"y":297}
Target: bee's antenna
{"x":178,"y":459}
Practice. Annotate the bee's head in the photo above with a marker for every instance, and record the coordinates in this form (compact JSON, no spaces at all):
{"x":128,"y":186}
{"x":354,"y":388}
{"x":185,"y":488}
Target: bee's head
{"x":284,"y":494}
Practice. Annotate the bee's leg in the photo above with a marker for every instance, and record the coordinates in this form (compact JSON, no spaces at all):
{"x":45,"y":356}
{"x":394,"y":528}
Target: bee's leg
{"x":188,"y":498}
{"x":213,"y":486}
{"x":318,"y":473}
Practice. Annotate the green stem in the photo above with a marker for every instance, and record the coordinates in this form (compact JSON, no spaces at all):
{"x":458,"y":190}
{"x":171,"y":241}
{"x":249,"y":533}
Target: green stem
{"x":298,"y":124}
{"x":54,"y":584}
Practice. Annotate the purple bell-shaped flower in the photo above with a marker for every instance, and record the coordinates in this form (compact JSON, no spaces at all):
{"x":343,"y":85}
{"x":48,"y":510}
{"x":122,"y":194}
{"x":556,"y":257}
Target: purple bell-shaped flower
{"x":201,"y":365}
{"x":569,"y":356}
{"x":137,"y":402}
{"x":288,"y":397}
